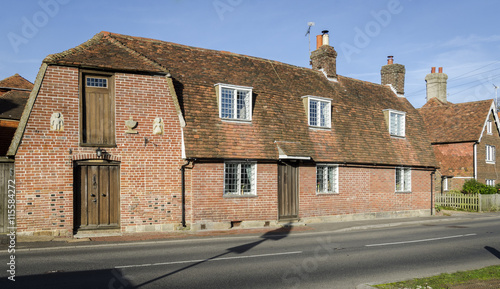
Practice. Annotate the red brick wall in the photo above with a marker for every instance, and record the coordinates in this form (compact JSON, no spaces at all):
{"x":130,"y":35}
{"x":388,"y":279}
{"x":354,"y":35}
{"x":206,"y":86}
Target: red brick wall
{"x":209,"y":204}
{"x":150,"y":176}
{"x":363,"y":190}
{"x":488,"y":170}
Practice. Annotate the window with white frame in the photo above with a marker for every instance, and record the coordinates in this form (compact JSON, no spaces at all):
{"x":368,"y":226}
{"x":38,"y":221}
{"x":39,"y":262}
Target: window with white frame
{"x":490,"y":154}
{"x":403,"y":179}
{"x":445,"y":184}
{"x":397,"y":123}
{"x":319,"y":111}
{"x":489,"y":127}
{"x":235,"y":102}
{"x":239,"y":178}
{"x":490,"y":183}
{"x":327,"y":179}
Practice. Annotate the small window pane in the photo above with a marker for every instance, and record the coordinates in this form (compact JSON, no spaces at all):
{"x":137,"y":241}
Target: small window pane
{"x":231,"y":179}
{"x":97,"y":82}
{"x":227,"y":103}
{"x":313,"y":112}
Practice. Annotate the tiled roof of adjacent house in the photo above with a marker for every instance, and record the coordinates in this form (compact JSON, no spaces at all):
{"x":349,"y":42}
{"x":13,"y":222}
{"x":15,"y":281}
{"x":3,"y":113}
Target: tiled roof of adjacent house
{"x":359,"y":132}
{"x":16,"y":81}
{"x":12,"y":104}
{"x":448,"y":123}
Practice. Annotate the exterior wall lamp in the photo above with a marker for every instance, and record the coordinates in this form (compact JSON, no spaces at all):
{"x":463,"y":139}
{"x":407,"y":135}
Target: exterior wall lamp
{"x":98,"y":152}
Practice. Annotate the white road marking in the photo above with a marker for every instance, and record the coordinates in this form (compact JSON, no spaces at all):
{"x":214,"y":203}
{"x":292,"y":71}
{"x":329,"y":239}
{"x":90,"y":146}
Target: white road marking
{"x":208,"y":260}
{"x":422,"y":240}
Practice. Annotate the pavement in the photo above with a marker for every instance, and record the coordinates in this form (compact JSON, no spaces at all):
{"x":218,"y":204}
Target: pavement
{"x":40,"y":242}
{"x":32,"y":243}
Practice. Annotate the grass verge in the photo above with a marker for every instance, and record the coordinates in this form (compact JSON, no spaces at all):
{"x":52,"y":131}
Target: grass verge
{"x":446,"y":281}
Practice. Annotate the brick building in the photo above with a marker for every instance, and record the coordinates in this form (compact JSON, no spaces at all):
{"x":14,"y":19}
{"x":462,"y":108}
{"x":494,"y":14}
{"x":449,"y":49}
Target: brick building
{"x":132,"y":134}
{"x":464,"y":136}
{"x":14,"y":92}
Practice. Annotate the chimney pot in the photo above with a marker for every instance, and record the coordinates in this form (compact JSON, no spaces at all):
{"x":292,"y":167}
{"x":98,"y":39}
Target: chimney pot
{"x":433,"y":69}
{"x":390,"y":59}
{"x":440,"y":70}
{"x":324,"y":31}
{"x":319,"y":41}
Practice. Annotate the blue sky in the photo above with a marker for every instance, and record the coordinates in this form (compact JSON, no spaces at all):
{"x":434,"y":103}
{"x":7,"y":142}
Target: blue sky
{"x":461,"y":36}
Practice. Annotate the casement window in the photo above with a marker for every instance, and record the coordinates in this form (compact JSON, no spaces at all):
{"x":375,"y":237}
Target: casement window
{"x":327,"y":179}
{"x":235,"y":102}
{"x":397,"y":123}
{"x":97,"y":111}
{"x":490,"y":154}
{"x":319,"y":110}
{"x":403,"y":179}
{"x":490,"y":183}
{"x":489,"y":127}
{"x":239,"y":179}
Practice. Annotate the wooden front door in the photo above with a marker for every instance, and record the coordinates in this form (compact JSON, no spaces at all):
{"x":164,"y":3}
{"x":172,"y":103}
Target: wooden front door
{"x":97,"y":189}
{"x":7,"y":192}
{"x":288,"y":191}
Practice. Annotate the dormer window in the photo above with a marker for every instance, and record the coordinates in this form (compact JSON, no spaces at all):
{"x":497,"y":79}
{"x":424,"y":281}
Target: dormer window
{"x":396,"y":121}
{"x":319,"y":111}
{"x":235,"y":102}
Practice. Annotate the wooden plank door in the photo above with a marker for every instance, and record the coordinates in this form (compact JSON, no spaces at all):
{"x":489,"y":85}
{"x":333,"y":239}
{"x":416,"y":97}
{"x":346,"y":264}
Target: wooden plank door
{"x":6,"y":179}
{"x":97,"y":196}
{"x":288,"y":189}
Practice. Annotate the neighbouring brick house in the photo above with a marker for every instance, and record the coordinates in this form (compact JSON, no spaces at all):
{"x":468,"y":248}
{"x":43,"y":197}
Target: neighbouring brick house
{"x":464,"y":136}
{"x":136,"y":134}
{"x":14,"y":92}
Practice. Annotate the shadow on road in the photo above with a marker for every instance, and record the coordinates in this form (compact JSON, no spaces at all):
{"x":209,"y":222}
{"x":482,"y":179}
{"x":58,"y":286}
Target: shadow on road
{"x":493,"y":251}
{"x":274,"y":235}
{"x":109,"y":278}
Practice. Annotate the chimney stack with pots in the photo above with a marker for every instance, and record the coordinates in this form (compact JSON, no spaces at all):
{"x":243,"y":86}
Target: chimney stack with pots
{"x":393,"y":74}
{"x":324,"y":58}
{"x":436,"y":85}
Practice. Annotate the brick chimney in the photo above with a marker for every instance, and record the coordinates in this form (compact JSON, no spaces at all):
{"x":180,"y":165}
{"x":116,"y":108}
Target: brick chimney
{"x":436,"y":85}
{"x":393,"y":74}
{"x":324,"y":57}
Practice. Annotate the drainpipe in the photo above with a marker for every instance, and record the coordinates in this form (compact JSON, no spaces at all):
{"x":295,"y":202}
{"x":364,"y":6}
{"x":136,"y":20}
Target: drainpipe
{"x":475,"y":160}
{"x":183,"y":197}
{"x":432,"y":192}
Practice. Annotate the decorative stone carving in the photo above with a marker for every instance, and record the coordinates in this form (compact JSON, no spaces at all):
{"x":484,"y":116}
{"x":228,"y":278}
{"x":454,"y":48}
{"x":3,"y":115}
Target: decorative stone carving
{"x":158,"y":126}
{"x":131,"y":124}
{"x":57,"y":122}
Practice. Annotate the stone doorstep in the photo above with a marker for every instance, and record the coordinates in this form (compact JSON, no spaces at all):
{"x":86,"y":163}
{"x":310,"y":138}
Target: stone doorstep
{"x":87,"y":234}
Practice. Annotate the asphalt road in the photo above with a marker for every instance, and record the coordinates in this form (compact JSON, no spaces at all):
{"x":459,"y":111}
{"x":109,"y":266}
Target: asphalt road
{"x":273,"y":260}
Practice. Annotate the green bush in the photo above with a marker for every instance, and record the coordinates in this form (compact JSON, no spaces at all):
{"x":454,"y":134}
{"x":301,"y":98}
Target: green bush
{"x":474,"y":187}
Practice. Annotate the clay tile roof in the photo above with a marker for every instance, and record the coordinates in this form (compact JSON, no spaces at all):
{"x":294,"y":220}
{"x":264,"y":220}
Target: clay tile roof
{"x":448,"y":123}
{"x":16,"y":81}
{"x":359,"y":132}
{"x":103,"y":51}
{"x":12,"y":104}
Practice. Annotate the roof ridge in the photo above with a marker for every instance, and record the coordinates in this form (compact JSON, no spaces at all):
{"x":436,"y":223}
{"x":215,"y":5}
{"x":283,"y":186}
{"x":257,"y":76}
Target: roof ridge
{"x":205,"y":49}
{"x":134,"y":52}
{"x":56,"y":56}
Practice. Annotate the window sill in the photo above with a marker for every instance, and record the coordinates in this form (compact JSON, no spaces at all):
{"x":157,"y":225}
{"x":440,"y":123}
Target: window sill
{"x":98,"y":145}
{"x":398,"y":136}
{"x":490,"y":162}
{"x":326,"y":194}
{"x":242,"y":121}
{"x":402,"y":192}
{"x":320,"y":127}
{"x":230,"y":196}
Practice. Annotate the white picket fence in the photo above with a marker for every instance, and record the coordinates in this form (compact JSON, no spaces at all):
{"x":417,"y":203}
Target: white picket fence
{"x":476,"y":202}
